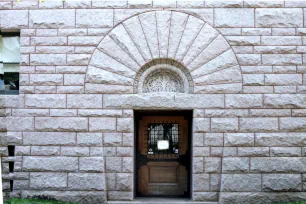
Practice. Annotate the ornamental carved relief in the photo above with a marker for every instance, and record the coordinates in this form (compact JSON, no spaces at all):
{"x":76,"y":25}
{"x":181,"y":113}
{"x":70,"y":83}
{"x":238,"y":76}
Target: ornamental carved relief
{"x":163,"y":75}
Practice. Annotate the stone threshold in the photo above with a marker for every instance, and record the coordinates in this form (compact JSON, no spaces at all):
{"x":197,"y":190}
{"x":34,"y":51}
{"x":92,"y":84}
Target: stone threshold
{"x":160,"y":200}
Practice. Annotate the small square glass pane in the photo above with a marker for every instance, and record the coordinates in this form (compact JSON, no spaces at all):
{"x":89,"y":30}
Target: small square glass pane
{"x":11,"y":49}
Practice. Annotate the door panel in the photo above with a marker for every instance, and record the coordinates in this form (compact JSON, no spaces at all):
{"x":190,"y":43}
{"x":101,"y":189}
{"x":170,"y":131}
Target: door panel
{"x":161,"y":154}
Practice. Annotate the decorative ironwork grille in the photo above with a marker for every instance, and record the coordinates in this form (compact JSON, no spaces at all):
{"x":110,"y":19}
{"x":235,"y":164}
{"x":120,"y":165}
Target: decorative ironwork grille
{"x":163,"y":133}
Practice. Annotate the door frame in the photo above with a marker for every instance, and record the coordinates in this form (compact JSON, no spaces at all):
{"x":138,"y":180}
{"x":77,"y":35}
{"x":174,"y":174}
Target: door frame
{"x":188,"y":114}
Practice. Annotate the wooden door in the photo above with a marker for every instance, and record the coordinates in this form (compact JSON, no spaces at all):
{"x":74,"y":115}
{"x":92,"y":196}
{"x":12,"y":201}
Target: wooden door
{"x":162,"y":156}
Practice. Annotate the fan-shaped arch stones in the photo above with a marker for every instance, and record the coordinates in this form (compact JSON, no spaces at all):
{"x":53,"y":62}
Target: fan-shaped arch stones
{"x":172,"y":35}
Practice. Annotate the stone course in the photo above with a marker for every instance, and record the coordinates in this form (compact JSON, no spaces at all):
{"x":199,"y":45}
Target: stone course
{"x":72,"y":125}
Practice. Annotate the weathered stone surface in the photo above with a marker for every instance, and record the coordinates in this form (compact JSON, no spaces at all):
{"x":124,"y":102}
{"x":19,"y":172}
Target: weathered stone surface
{"x":60,"y":18}
{"x":235,"y":164}
{"x":259,"y":124}
{"x":281,"y":59}
{"x":77,"y":4}
{"x":50,"y":181}
{"x":89,"y":139}
{"x":100,"y":113}
{"x":125,"y":124}
{"x":241,"y":182}
{"x":97,"y":75}
{"x":102,"y":124}
{"x":279,"y":17}
{"x":285,"y":100}
{"x":234,"y":17}
{"x":86,"y":181}
{"x":201,"y":182}
{"x":46,"y":79}
{"x":48,"y":59}
{"x":253,"y":151}
{"x":278,"y":165}
{"x":293,"y":124}
{"x":264,"y":4}
{"x":224,"y":124}
{"x":35,"y":163}
{"x":239,"y":139}
{"x":45,"y":150}
{"x":91,"y":164}
{"x":124,"y":182}
{"x":84,"y":101}
{"x":163,"y":100}
{"x":112,"y":139}
{"x":61,"y":124}
{"x":48,"y":138}
{"x":243,"y":101}
{"x":224,"y":4}
{"x":75,"y":151}
{"x":14,"y":19}
{"x":201,"y":125}
{"x":285,"y":151}
{"x":281,"y":182}
{"x":19,"y":123}
{"x":280,"y":139}
{"x":96,"y":18}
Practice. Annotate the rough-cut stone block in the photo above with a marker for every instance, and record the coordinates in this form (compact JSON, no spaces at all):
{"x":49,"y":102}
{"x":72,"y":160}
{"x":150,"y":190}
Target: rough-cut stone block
{"x":78,"y":59}
{"x":102,"y":124}
{"x":45,"y":151}
{"x":97,"y":18}
{"x":61,"y":124}
{"x":46,"y":79}
{"x":285,"y":151}
{"x":60,"y":18}
{"x":224,"y":4}
{"x":281,"y":59}
{"x":201,"y":182}
{"x":243,"y":40}
{"x":278,"y":165}
{"x":241,"y":182}
{"x":112,"y":139}
{"x":282,"y":182}
{"x":109,"y":4}
{"x":91,"y":164}
{"x":48,"y":41}
{"x":84,"y":101}
{"x":253,"y":151}
{"x":239,"y":139}
{"x":281,"y":40}
{"x":48,"y":59}
{"x":235,"y":164}
{"x":201,"y":125}
{"x":279,"y":17}
{"x":285,"y":100}
{"x":34,"y":163}
{"x":280,"y":139}
{"x":234,"y":17}
{"x":224,"y":124}
{"x":259,"y":124}
{"x":86,"y":181}
{"x":140,"y":4}
{"x":124,"y":182}
{"x":125,"y":124}
{"x":14,"y":19}
{"x":50,"y":181}
{"x":19,"y":123}
{"x":212,"y":165}
{"x":263,"y":4}
{"x":293,"y":124}
{"x":75,"y":151}
{"x":77,"y":4}
{"x":89,"y":139}
{"x":243,"y":101}
{"x":283,"y":79}
{"x":48,"y":138}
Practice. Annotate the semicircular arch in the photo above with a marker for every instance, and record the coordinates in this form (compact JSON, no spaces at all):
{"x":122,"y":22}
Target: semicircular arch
{"x":172,"y":35}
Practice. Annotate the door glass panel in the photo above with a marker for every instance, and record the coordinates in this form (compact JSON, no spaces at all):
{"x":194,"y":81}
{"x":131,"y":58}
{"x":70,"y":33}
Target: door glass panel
{"x":163,"y":138}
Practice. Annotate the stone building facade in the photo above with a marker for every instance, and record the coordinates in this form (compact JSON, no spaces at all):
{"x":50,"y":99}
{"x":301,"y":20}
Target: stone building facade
{"x":88,"y":66}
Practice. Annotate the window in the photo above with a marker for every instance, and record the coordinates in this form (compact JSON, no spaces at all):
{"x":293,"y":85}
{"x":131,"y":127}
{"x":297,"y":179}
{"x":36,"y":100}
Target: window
{"x":9,"y":63}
